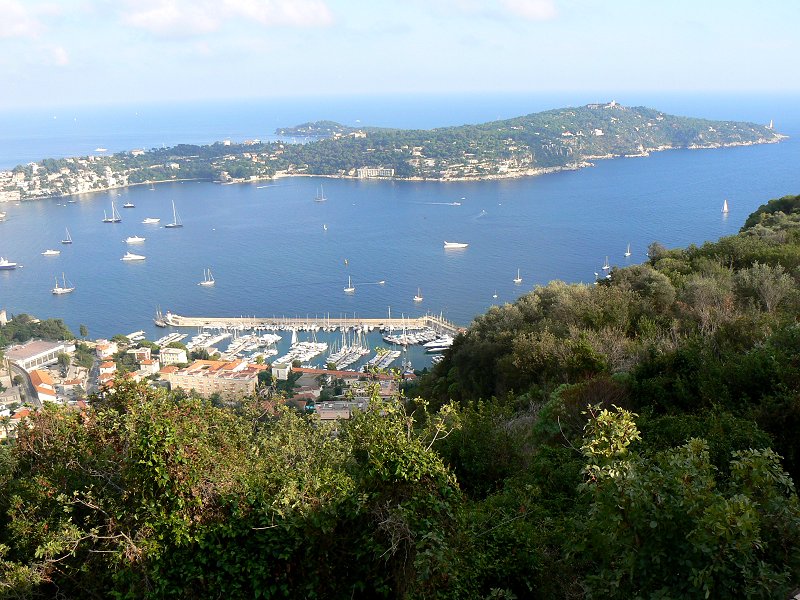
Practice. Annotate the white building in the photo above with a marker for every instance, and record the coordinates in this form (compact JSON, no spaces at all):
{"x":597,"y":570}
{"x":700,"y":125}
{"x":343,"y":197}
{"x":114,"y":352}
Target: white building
{"x":172,"y":356}
{"x":37,"y":353}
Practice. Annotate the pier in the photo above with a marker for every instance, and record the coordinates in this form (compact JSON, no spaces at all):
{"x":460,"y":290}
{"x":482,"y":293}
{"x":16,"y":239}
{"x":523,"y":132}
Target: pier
{"x":435,"y":322}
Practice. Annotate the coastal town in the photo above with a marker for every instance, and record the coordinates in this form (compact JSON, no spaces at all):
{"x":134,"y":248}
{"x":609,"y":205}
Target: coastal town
{"x":71,"y":372}
{"x":563,"y":139}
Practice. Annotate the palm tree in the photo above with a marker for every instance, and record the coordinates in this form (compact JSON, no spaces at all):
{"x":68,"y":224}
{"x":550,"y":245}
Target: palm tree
{"x":5,"y":423}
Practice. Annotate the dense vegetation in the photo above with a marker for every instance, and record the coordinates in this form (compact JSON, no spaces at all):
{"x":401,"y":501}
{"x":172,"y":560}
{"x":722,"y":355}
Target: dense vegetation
{"x":632,"y":439}
{"x":22,"y":327}
{"x":554,"y":139}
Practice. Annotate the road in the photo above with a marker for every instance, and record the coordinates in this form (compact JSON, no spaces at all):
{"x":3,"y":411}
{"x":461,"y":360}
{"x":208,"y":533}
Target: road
{"x":27,"y":385}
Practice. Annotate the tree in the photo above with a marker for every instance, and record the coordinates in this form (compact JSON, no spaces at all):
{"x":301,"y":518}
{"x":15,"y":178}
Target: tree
{"x":84,"y":331}
{"x":670,"y":525}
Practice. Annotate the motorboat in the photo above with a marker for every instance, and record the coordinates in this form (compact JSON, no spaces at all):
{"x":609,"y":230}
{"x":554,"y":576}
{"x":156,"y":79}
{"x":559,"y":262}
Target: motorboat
{"x":51,"y":252}
{"x":454,"y":245}
{"x":151,"y":221}
{"x":6,"y":265}
{"x":134,"y":239}
{"x":131,"y":256}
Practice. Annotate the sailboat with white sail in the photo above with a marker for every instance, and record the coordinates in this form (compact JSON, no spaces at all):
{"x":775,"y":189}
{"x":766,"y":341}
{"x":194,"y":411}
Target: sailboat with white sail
{"x":62,"y":288}
{"x":518,"y":279}
{"x":725,"y":206}
{"x":68,"y":239}
{"x":418,"y":297}
{"x":176,"y":221}
{"x":115,"y":216}
{"x":606,"y":266}
{"x":208,"y":278}
{"x":628,"y":251}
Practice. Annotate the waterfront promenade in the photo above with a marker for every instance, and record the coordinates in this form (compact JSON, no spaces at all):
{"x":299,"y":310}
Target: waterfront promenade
{"x":435,"y":322}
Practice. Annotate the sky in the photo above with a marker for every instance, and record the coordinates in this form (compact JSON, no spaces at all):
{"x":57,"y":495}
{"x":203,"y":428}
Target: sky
{"x":100,"y":52}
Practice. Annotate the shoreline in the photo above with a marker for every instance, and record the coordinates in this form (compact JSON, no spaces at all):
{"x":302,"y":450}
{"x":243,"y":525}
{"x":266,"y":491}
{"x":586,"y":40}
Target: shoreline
{"x":532,"y":172}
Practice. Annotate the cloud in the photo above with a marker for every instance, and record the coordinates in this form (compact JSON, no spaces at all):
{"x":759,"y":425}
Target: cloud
{"x":18,"y":20}
{"x":170,"y":17}
{"x":60,"y":56}
{"x":196,"y":17}
{"x":533,"y":10}
{"x":295,"y":13}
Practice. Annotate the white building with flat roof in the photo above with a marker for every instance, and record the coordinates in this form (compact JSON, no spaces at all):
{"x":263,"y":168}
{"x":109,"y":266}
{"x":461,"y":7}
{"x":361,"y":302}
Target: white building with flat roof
{"x":37,"y":353}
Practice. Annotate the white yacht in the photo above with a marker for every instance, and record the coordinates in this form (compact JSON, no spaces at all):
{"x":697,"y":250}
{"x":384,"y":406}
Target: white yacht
{"x":628,"y":251}
{"x":134,"y":239}
{"x":132,"y":256}
{"x":129,"y":205}
{"x":454,"y":245}
{"x":518,"y":279}
{"x":176,"y":220}
{"x":51,"y":252}
{"x":151,"y":221}
{"x":7,"y":265}
{"x":208,"y":278}
{"x":62,"y":289}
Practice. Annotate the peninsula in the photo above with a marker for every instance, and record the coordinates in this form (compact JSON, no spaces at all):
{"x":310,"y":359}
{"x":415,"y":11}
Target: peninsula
{"x":554,"y":140}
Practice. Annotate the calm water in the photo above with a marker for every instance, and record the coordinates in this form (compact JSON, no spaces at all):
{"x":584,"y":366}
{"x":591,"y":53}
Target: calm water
{"x":270,"y":254}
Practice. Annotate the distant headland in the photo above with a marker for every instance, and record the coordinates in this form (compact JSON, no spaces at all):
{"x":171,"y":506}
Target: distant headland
{"x":534,"y":144}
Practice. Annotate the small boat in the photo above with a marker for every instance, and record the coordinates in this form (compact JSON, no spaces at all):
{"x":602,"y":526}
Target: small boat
{"x":129,"y":205}
{"x":7,"y":265}
{"x":494,"y":295}
{"x":150,"y":221}
{"x":159,"y":319}
{"x":72,"y":201}
{"x":176,"y":221}
{"x":606,"y":266}
{"x":2,"y":216}
{"x":134,"y":239}
{"x":115,"y":216}
{"x":62,"y":289}
{"x":208,"y":278}
{"x":628,"y":251}
{"x":320,"y":197}
{"x":68,"y":239}
{"x":51,"y":252}
{"x":349,"y":289}
{"x":418,"y":297}
{"x":517,"y":279}
{"x":725,"y":206}
{"x":324,"y":227}
{"x":132,"y":256}
{"x":454,"y":245}
{"x":101,"y":149}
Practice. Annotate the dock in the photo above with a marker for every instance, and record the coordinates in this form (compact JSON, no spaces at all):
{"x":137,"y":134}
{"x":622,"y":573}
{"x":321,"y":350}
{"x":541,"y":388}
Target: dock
{"x":435,"y":322}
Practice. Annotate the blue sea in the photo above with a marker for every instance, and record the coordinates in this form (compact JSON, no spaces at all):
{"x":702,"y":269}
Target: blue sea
{"x":274,"y":251}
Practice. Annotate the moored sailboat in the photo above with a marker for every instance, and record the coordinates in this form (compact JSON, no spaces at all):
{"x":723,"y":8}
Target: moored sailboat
{"x":115,"y":216}
{"x":68,"y":239}
{"x":320,"y":197}
{"x":418,"y":297}
{"x":349,"y":289}
{"x":518,"y":279}
{"x":176,"y":221}
{"x":62,"y":289}
{"x":208,"y":278}
{"x":628,"y":251}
